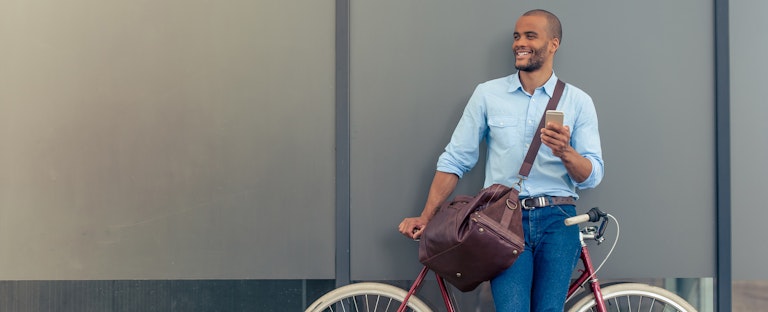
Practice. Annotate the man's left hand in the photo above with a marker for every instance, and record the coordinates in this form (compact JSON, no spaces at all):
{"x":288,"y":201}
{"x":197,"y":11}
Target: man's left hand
{"x":557,"y":137}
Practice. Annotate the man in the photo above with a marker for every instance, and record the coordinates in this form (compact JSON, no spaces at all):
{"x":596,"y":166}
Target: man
{"x":506,"y":112}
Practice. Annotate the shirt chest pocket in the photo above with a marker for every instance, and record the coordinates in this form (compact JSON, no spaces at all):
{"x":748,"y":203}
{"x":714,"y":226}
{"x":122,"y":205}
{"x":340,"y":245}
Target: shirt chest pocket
{"x":504,"y":131}
{"x":502,"y":121}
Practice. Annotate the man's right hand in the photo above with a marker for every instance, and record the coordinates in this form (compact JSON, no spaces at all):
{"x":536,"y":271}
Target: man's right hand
{"x":413,"y":227}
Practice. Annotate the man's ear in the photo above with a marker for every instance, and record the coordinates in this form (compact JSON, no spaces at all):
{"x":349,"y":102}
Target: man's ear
{"x":554,"y":44}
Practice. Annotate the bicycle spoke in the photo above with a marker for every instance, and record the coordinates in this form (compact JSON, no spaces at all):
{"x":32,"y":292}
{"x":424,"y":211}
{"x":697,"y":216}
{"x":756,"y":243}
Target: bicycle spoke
{"x":366,"y":303}
{"x":629,"y":303}
{"x":366,"y":297}
{"x":636,"y":303}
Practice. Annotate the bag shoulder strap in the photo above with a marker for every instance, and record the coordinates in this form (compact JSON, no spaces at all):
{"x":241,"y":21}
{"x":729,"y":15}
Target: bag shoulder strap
{"x":533,"y":150}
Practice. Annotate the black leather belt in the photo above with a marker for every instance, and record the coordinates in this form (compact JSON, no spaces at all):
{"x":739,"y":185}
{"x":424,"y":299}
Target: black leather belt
{"x":546,"y":201}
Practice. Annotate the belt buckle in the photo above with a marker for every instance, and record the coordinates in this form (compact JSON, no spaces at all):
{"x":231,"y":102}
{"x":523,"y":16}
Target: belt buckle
{"x":540,"y":201}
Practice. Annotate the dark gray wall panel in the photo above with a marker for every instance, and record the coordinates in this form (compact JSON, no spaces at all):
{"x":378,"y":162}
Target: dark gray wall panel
{"x":160,"y":296}
{"x":749,"y":143}
{"x":161,"y":140}
{"x":415,"y":64}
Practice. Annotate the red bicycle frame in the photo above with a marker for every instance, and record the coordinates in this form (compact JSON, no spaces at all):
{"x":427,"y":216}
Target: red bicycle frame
{"x":588,"y":273}
{"x":417,"y":284}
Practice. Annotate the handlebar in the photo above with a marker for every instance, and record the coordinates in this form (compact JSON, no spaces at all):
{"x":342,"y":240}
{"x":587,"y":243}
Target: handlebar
{"x":593,"y":215}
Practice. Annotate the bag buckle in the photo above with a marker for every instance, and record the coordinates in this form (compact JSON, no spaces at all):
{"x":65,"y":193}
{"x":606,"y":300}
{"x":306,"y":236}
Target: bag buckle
{"x":511,"y":204}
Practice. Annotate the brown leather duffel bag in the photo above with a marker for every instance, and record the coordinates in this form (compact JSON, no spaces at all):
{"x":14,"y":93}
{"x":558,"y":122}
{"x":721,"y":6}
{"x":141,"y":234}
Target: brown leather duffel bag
{"x":473,"y":239}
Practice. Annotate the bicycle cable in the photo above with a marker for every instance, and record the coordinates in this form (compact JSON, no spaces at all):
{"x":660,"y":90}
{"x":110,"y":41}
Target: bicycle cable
{"x":618,"y":233}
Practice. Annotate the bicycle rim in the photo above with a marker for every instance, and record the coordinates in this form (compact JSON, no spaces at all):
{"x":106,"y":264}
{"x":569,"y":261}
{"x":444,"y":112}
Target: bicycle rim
{"x":635,"y":297}
{"x":366,"y":297}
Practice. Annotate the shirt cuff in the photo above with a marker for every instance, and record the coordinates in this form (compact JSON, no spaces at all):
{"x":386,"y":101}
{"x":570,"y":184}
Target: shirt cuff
{"x":594,"y":177}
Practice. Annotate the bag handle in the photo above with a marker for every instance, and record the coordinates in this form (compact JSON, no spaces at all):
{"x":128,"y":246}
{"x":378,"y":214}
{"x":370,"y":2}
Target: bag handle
{"x":533,"y":150}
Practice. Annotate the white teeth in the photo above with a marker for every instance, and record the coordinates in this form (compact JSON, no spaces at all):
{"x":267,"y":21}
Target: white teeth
{"x":523,"y":53}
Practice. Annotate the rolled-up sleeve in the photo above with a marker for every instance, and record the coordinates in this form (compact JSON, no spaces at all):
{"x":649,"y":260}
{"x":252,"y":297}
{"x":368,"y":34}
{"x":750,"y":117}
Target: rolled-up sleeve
{"x":462,"y":152}
{"x":586,"y":140}
{"x":595,"y":177}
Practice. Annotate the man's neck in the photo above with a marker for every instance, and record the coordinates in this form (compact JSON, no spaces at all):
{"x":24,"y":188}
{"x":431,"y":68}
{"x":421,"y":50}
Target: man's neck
{"x":534,"y":79}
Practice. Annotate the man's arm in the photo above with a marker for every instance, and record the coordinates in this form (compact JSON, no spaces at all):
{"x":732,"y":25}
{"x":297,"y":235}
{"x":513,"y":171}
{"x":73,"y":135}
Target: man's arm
{"x":442,"y":186}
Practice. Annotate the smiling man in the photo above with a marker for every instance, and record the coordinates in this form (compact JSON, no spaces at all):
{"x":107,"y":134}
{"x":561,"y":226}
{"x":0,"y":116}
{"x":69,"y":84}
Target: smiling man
{"x":505,"y":113}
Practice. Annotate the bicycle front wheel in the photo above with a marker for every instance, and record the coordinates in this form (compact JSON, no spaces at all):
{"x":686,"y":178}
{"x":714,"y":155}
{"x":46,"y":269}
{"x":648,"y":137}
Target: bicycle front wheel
{"x":366,"y":297}
{"x":634,"y":297}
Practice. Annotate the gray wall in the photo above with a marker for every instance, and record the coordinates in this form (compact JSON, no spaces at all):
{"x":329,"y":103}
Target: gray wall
{"x":166,"y":139}
{"x":749,"y":145}
{"x":193,"y":139}
{"x":415,"y":64}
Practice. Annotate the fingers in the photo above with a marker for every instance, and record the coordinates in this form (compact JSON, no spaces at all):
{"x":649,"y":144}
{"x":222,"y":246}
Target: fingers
{"x":553,"y":139}
{"x":557,"y":138}
{"x":405,"y":228}
{"x":411,"y":228}
{"x":554,"y":128}
{"x":416,"y":234}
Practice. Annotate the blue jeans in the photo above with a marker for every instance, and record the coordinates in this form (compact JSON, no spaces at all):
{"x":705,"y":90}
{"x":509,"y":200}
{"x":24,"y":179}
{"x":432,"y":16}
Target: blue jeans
{"x":538,"y":280}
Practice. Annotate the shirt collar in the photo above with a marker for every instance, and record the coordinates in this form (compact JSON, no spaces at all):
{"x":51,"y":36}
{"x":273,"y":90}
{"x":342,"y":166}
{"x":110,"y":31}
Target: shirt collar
{"x":515,"y":85}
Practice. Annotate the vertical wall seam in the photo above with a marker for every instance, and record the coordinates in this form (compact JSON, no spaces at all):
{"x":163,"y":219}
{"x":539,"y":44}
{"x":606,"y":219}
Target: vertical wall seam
{"x":724,"y":282}
{"x":342,"y":142}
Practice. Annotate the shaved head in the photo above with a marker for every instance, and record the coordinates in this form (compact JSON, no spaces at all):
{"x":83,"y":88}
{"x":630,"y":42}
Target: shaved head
{"x":553,"y":23}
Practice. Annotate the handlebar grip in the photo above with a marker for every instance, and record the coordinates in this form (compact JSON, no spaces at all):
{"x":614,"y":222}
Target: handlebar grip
{"x":577,"y":219}
{"x":593,"y":215}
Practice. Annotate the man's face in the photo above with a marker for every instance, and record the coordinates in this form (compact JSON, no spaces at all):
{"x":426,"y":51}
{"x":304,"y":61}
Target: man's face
{"x":532,"y":43}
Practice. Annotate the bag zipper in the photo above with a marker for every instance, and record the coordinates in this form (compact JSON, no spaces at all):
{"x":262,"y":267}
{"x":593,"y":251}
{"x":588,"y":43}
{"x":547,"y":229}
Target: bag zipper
{"x":494,"y":228}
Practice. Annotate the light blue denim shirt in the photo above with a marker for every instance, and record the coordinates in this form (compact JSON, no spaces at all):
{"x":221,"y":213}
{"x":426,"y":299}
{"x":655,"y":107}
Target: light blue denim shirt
{"x":506,"y":116}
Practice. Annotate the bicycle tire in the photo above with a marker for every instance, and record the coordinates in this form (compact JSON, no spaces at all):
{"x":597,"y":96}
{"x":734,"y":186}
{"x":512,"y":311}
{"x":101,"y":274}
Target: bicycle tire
{"x":366,"y":297}
{"x":633,"y":297}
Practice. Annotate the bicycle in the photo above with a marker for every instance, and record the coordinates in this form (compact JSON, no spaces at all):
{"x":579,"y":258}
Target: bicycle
{"x":368,"y":296}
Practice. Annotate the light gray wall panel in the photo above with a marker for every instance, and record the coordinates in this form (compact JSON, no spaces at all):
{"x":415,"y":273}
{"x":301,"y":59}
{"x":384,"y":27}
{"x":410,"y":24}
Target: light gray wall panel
{"x":415,"y":64}
{"x":653,"y":87}
{"x":749,"y":143}
{"x":162,"y":140}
